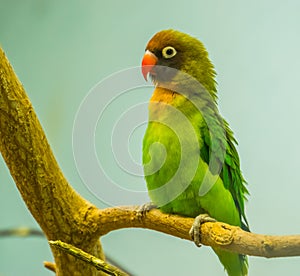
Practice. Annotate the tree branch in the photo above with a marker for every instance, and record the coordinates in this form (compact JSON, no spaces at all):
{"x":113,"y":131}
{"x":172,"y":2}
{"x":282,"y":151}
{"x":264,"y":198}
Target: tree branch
{"x":218,"y":234}
{"x":59,"y":210}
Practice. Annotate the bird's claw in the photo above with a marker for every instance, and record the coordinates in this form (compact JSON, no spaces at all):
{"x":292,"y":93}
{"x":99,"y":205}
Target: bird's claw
{"x":143,"y":209}
{"x":195,"y":233}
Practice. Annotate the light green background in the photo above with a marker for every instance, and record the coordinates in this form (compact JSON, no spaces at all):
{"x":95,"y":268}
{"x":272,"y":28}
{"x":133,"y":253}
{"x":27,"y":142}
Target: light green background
{"x":60,"y":49}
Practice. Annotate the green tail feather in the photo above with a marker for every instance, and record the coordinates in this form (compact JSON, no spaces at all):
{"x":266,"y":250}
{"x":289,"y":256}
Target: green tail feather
{"x":234,"y":264}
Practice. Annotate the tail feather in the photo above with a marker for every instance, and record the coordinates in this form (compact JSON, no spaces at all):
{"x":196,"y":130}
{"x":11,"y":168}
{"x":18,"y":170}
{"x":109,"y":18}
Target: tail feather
{"x":234,"y":264}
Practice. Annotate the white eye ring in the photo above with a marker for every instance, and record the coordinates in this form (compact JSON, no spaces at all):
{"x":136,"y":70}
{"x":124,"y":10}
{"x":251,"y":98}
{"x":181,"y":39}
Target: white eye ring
{"x":169,"y":52}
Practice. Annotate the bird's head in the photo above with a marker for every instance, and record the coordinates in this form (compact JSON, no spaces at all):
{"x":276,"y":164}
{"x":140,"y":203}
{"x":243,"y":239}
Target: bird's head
{"x":179,"y":51}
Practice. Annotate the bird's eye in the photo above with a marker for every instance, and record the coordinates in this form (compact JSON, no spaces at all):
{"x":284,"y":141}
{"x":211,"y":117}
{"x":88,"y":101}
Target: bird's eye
{"x":169,"y":52}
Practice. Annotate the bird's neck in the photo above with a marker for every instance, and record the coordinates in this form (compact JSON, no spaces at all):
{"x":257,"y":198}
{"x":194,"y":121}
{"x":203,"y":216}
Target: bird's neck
{"x":187,"y":87}
{"x":163,"y":95}
{"x":161,"y":101}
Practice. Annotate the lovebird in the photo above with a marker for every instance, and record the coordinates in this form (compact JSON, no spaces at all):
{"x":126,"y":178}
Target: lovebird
{"x":190,"y":160}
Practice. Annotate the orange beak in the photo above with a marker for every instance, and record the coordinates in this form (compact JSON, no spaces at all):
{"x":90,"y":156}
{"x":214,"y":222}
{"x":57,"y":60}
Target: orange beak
{"x":148,"y":62}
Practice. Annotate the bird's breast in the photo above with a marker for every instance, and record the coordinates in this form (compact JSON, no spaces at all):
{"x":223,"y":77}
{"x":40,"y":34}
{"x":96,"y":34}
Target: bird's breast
{"x":171,"y":146}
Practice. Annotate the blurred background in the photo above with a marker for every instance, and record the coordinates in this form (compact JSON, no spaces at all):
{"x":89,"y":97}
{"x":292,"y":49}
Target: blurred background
{"x":61,"y":49}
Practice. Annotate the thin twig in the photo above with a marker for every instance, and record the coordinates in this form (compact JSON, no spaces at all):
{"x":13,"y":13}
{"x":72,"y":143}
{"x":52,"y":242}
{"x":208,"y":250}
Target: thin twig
{"x":50,"y":266}
{"x":21,"y":232}
{"x":88,"y":258}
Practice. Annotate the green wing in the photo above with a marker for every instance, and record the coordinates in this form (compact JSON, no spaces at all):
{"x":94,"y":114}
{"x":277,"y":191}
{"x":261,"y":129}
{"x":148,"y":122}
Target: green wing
{"x":232,"y":176}
{"x":220,"y":153}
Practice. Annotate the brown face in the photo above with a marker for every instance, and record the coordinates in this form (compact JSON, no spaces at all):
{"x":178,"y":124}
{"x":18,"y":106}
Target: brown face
{"x":175,"y":58}
{"x":161,"y":55}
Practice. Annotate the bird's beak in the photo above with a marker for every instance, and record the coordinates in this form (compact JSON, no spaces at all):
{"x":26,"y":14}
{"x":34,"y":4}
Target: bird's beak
{"x":148,"y":62}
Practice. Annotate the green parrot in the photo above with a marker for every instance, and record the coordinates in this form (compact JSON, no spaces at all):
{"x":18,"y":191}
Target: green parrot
{"x":190,"y":161}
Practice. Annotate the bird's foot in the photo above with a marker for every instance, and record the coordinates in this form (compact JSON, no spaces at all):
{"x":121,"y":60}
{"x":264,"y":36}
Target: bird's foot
{"x":195,"y":232}
{"x":143,"y":209}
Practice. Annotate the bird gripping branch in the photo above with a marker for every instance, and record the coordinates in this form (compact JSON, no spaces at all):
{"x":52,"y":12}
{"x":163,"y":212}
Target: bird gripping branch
{"x":190,"y":161}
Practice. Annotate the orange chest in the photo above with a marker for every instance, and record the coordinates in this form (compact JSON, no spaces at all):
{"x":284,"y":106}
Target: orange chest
{"x":163,"y":95}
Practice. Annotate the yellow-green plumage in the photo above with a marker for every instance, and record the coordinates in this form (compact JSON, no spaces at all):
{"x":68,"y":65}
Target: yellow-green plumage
{"x":187,"y":141}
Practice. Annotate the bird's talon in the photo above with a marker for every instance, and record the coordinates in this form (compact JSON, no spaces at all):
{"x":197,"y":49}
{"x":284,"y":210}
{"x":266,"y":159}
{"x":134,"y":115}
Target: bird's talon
{"x":195,"y":233}
{"x":143,"y":209}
